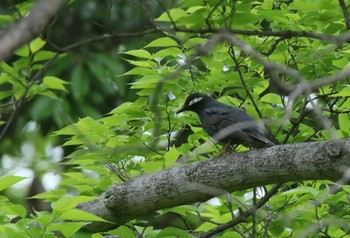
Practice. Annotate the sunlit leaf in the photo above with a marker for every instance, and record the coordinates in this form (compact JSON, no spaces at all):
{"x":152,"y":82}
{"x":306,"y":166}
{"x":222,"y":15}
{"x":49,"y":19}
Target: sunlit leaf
{"x":79,"y":215}
{"x":36,"y":45}
{"x":162,"y":42}
{"x":138,"y":53}
{"x":14,"y":209}
{"x":9,"y":180}
{"x":54,"y":83}
{"x":171,"y":156}
{"x":68,"y":229}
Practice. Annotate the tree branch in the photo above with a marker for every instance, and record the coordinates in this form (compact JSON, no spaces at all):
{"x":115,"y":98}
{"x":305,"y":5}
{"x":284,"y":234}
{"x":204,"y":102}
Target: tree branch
{"x":28,"y":27}
{"x":286,"y":34}
{"x":201,"y":181}
{"x":344,"y":9}
{"x":242,"y":217}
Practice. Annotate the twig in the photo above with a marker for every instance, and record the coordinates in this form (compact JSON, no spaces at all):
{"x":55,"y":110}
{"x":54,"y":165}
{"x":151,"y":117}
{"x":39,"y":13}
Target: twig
{"x":344,"y":8}
{"x":232,"y":54}
{"x":207,"y":19}
{"x":100,"y":38}
{"x":242,"y":217}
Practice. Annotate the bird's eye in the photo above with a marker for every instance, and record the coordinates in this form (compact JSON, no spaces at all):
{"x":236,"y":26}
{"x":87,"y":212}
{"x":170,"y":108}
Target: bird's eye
{"x":195,"y":100}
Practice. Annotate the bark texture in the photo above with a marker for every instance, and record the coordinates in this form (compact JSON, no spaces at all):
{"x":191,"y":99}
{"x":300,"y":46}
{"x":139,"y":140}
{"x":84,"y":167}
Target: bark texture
{"x":201,"y":181}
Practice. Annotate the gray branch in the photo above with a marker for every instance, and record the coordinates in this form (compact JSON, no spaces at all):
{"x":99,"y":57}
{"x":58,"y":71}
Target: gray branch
{"x":201,"y":181}
{"x":28,"y":28}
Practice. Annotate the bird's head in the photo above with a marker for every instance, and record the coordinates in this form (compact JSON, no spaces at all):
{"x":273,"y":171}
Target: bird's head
{"x":195,"y":102}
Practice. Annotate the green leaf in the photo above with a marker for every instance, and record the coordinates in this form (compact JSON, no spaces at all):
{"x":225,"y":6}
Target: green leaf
{"x":346,"y":188}
{"x":276,"y":228}
{"x":345,"y":92}
{"x":128,"y":108}
{"x":195,"y":41}
{"x":53,"y":195}
{"x":171,"y":156}
{"x":303,"y":5}
{"x":267,"y":5}
{"x":172,"y":231}
{"x":53,"y":82}
{"x":5,"y":19}
{"x":14,"y":209}
{"x":175,"y":13}
{"x":184,"y":209}
{"x":68,"y":229}
{"x":139,"y":53}
{"x":148,"y":81}
{"x":5,"y":94}
{"x":36,"y":45}
{"x":244,"y":18}
{"x":171,"y":51}
{"x":271,"y":98}
{"x":79,"y":215}
{"x":147,"y":64}
{"x":75,"y":175}
{"x":301,"y":190}
{"x":24,"y":7}
{"x":43,"y":55}
{"x":23,"y":51}
{"x":162,"y":42}
{"x":34,"y":229}
{"x":44,"y":218}
{"x":152,"y":166}
{"x":122,"y":231}
{"x":64,"y":204}
{"x":9,"y":180}
{"x":205,"y":226}
{"x":343,"y":122}
{"x":140,"y":71}
{"x":97,"y":235}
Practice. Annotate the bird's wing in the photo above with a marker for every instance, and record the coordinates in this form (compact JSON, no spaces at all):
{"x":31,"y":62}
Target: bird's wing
{"x":216,"y":118}
{"x":239,"y":125}
{"x":257,"y":135}
{"x":226,"y":116}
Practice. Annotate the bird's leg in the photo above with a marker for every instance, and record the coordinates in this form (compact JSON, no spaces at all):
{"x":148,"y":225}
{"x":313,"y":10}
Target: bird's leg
{"x":226,"y":148}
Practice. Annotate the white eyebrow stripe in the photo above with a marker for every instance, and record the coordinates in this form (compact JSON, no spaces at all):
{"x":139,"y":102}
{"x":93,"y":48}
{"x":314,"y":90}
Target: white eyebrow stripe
{"x":195,"y":100}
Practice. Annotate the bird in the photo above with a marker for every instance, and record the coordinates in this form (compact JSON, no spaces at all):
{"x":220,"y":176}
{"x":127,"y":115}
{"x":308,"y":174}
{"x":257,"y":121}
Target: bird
{"x":224,"y":123}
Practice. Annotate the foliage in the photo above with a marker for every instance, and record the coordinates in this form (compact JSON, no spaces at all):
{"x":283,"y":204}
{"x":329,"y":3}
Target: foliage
{"x":144,"y":134}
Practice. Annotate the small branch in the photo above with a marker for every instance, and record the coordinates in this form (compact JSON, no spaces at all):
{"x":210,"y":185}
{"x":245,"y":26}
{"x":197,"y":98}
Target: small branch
{"x":317,"y":83}
{"x":243,"y":216}
{"x":344,"y":8}
{"x":245,"y":86}
{"x":100,"y":38}
{"x":207,"y":19}
{"x":16,"y":105}
{"x":273,"y":46}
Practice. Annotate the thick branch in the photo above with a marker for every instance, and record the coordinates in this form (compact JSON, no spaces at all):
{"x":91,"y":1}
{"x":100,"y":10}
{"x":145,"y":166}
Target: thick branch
{"x":286,"y":34}
{"x":200,"y":181}
{"x":28,"y":27}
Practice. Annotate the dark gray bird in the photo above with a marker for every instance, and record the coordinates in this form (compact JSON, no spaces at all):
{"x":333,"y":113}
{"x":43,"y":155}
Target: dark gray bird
{"x":226,"y":124}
